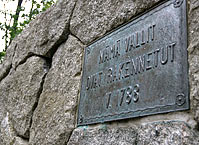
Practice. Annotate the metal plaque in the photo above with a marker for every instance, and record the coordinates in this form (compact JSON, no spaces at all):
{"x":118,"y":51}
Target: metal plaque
{"x":139,"y":69}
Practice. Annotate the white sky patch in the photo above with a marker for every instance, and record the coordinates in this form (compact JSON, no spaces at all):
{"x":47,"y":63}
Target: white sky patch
{"x":10,"y":7}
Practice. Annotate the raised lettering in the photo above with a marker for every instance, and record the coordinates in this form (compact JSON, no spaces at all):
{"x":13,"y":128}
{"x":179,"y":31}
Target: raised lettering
{"x":127,"y":41}
{"x":143,"y":38}
{"x":134,"y":67}
{"x":118,"y":48}
{"x":120,"y":72}
{"x":137,"y":40}
{"x":172,"y":51}
{"x":88,"y":83}
{"x":164,"y":55}
{"x":108,"y":105}
{"x":141,"y":63}
{"x":127,"y":74}
{"x":148,"y":61}
{"x":101,"y":59}
{"x":156,"y":57}
{"x":136,"y":93}
{"x":153,"y":32}
{"x":110,"y":75}
{"x":122,"y":92}
{"x":129,"y":95}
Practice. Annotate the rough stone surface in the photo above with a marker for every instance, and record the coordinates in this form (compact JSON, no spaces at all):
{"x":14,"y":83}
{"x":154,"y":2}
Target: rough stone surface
{"x":20,"y":91}
{"x":7,"y":63}
{"x":194,"y":55}
{"x":54,"y":118}
{"x":45,"y":33}
{"x":160,"y":133}
{"x":103,"y":136}
{"x":92,"y":19}
{"x":8,"y":135}
{"x":167,"y":133}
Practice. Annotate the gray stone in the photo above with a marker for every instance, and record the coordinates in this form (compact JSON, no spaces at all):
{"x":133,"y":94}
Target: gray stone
{"x":6,"y":65}
{"x":19,"y":141}
{"x":103,"y":136}
{"x":8,"y":135}
{"x":160,"y":133}
{"x":167,"y":133}
{"x":55,"y":117}
{"x":193,"y":49}
{"x":92,"y":19}
{"x":45,"y":33}
{"x":20,"y":91}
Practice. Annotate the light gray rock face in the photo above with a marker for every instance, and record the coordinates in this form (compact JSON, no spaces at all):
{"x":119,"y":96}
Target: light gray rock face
{"x":161,"y":133}
{"x":20,"y":91}
{"x":193,"y":49}
{"x":167,"y":133}
{"x":55,"y":117}
{"x":45,"y":33}
{"x":103,"y":136}
{"x":7,"y":63}
{"x":92,"y":19}
{"x":8,"y":135}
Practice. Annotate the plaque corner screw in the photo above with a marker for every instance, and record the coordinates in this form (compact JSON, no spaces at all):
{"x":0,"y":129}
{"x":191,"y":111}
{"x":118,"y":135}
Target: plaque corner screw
{"x":180,"y":99}
{"x":177,"y":3}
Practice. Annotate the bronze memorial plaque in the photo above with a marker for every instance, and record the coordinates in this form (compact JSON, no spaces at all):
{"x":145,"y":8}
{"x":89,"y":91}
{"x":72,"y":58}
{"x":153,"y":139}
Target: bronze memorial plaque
{"x":138,"y":69}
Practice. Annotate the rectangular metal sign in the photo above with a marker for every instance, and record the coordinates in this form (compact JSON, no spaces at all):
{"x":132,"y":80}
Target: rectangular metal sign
{"x":139,"y":69}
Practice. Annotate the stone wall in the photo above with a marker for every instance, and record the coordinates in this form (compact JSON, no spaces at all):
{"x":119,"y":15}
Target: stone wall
{"x":40,"y":80}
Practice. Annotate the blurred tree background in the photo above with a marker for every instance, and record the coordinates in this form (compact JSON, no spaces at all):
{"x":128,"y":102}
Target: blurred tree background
{"x":12,"y":22}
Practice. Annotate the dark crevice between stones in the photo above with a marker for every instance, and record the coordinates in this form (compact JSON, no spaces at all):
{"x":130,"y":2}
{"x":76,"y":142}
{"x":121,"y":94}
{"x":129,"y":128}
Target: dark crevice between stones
{"x":59,"y":42}
{"x":67,"y":141}
{"x":69,"y":25}
{"x":37,"y":101}
{"x":4,"y":73}
{"x":31,"y":54}
{"x":77,"y":38}
{"x":49,"y":55}
{"x":63,"y":38}
{"x":71,"y":15}
{"x":24,"y":60}
{"x":197,"y":126}
{"x":23,"y":138}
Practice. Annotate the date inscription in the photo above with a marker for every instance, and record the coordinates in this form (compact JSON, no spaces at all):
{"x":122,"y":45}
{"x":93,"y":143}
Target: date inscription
{"x":139,"y":69}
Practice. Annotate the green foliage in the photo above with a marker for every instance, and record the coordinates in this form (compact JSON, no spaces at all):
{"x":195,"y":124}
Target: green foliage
{"x":47,"y":4}
{"x":2,"y":54}
{"x":12,"y":27}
